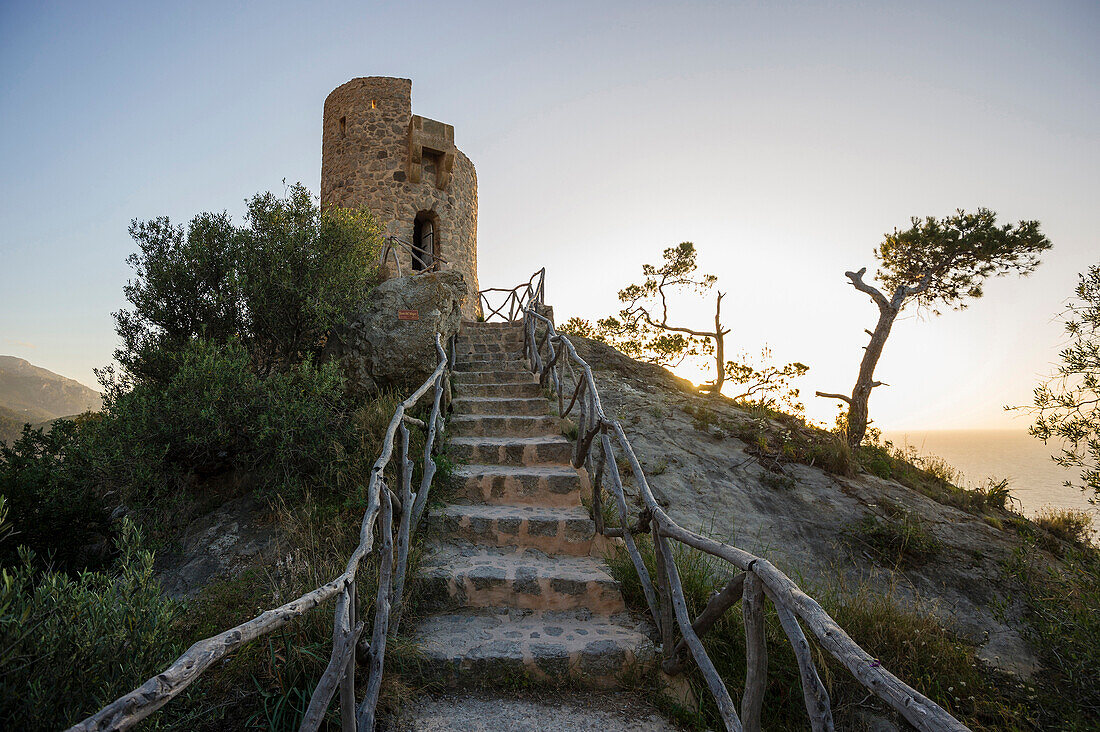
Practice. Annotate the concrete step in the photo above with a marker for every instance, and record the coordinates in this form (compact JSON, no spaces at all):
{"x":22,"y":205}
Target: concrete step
{"x":523,"y":390}
{"x":495,"y":377}
{"x":553,"y":530}
{"x":545,"y":485}
{"x":480,"y":649}
{"x":550,"y":449}
{"x":499,"y":425}
{"x":461,"y":575}
{"x":498,"y":405}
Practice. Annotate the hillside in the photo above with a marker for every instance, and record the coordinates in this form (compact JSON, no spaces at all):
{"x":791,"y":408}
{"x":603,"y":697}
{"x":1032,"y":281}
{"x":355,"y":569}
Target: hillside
{"x":35,"y":395}
{"x":11,"y":425}
{"x":732,"y":474}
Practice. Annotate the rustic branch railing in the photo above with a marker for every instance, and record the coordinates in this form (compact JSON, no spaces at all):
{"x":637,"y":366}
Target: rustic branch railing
{"x":555,"y":360}
{"x":516,"y":299}
{"x":391,"y":244}
{"x":383,"y":505}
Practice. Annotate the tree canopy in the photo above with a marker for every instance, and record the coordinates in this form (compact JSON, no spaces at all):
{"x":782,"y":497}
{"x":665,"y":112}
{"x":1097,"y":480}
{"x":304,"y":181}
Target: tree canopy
{"x":1067,"y":404}
{"x":278,"y":283}
{"x":944,"y":262}
{"x":934,"y":263}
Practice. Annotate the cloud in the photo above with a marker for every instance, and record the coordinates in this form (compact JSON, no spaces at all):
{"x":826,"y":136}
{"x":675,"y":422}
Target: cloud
{"x":21,"y":344}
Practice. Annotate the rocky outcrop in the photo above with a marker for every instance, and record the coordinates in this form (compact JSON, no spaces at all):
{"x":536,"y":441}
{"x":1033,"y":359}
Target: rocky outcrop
{"x":380,"y":348}
{"x":217,"y":545}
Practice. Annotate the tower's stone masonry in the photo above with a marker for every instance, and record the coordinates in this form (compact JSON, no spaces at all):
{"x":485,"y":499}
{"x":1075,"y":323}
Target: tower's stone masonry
{"x":405,"y":169}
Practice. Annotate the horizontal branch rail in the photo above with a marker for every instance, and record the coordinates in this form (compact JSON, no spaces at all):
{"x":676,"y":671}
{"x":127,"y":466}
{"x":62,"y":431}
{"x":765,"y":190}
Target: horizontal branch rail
{"x":382,"y":505}
{"x":756,"y":578}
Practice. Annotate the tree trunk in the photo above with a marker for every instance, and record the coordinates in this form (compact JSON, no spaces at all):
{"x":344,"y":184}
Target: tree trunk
{"x":861,"y":393}
{"x":719,"y":348}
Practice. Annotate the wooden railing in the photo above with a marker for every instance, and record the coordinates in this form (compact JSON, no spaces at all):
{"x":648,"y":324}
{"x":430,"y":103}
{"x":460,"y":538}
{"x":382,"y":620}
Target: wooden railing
{"x":529,"y":294}
{"x":391,"y":244}
{"x":397,"y":515}
{"x":554,"y":359}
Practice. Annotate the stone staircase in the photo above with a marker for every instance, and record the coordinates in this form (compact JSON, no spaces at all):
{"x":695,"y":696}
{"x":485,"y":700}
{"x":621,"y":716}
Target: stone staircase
{"x":516,"y":578}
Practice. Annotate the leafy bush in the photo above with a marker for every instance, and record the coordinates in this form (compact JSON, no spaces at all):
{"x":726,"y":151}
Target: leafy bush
{"x":898,"y":540}
{"x":277,"y":284}
{"x":70,"y":645}
{"x":54,"y":508}
{"x":288,"y":431}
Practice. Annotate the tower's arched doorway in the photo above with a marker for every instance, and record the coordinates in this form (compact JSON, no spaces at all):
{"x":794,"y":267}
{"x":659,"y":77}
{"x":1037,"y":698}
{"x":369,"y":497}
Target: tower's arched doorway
{"x":425,"y":242}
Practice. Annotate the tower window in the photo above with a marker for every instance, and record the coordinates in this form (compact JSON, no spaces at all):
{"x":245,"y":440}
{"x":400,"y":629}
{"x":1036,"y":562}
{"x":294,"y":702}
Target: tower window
{"x":424,"y":242}
{"x":343,"y":126}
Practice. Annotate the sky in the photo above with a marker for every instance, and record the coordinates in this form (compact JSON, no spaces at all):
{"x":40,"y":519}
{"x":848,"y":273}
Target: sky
{"x":783,"y":139}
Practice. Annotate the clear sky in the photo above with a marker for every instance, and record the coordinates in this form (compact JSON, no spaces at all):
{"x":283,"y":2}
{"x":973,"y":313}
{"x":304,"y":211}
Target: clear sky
{"x":782,"y":138}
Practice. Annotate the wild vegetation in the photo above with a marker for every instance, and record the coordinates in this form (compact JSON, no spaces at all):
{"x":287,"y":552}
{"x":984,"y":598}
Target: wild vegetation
{"x":1067,"y":404}
{"x":221,"y":389}
{"x":914,"y":646}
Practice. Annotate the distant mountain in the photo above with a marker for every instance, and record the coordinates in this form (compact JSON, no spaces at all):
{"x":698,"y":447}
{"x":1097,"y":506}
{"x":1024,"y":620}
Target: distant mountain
{"x":32,"y":394}
{"x":11,"y":425}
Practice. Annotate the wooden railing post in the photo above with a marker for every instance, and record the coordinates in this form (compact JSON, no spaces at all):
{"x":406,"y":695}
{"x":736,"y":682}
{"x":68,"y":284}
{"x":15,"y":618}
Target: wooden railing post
{"x":756,"y":653}
{"x":668,"y":638}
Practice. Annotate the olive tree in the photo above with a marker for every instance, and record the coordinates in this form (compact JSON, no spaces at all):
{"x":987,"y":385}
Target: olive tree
{"x":935,"y":263}
{"x":1067,"y":404}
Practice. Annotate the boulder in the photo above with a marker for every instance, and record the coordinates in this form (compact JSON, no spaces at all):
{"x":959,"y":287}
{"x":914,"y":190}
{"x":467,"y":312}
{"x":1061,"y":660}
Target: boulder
{"x":381,"y":350}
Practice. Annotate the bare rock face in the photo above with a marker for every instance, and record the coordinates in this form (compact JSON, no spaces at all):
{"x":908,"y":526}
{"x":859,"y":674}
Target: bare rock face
{"x":219,"y":544}
{"x":391,"y":342}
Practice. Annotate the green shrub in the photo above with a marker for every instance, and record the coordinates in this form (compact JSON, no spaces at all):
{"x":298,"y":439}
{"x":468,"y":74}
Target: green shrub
{"x":901,"y":539}
{"x":47,"y":478}
{"x":70,"y":645}
{"x":287,"y":432}
{"x":278,"y":284}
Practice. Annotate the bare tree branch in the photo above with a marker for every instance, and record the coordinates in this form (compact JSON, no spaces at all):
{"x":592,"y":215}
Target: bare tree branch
{"x":841,"y":397}
{"x":870,"y":290}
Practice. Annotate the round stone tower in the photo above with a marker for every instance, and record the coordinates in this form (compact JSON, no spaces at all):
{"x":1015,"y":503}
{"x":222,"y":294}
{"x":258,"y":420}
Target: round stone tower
{"x":376,"y":154}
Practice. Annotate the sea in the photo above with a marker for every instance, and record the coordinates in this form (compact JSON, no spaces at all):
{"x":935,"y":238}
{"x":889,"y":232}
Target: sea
{"x":1035,"y":480}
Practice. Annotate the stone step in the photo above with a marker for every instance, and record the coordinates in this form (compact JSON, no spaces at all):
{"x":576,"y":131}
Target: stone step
{"x":497,"y":405}
{"x":551,"y":530}
{"x":523,"y":390}
{"x":550,"y":449}
{"x":535,"y":485}
{"x":494,"y":337}
{"x":463,"y":575}
{"x":505,"y":363}
{"x":498,"y":425}
{"x":490,"y":347}
{"x":495,"y":377}
{"x":477,"y":649}
{"x":471,"y":326}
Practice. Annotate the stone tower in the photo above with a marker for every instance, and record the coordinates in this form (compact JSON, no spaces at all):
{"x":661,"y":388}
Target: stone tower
{"x":376,"y":154}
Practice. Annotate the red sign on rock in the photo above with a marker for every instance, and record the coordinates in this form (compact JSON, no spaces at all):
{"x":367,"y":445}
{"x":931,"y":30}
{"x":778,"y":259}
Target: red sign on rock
{"x":408,"y":315}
